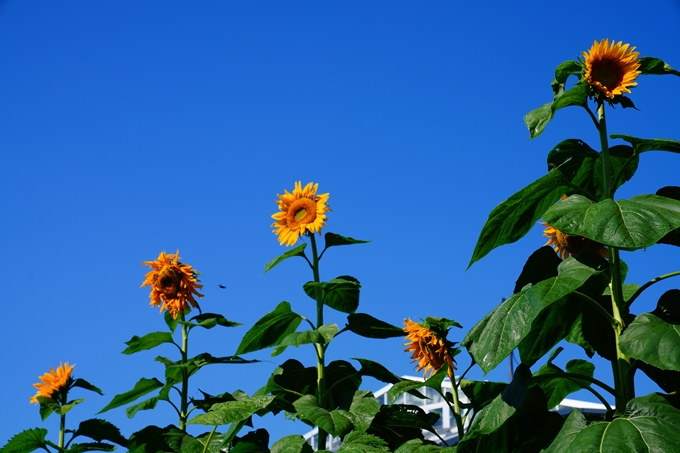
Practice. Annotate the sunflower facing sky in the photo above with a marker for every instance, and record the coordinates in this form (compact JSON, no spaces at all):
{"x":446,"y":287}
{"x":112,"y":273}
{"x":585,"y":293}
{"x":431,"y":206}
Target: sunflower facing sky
{"x":428,"y":349}
{"x":300,"y":212}
{"x":173,"y":284}
{"x":611,"y":68}
{"x":53,"y":381}
{"x":566,"y":245}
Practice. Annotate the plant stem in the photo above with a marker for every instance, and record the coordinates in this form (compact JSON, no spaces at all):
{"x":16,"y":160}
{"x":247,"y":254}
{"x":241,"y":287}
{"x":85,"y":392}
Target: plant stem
{"x":320,"y":349}
{"x":624,"y":372}
{"x":207,"y":442}
{"x":650,"y":283}
{"x":184,"y":404}
{"x":456,"y":406}
{"x":62,"y":430}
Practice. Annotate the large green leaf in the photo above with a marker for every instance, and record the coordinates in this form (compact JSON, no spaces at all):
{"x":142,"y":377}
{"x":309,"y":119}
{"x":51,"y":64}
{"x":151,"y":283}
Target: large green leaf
{"x":562,"y":73}
{"x":210,"y":320}
{"x":26,"y":441}
{"x":541,"y":265}
{"x":655,"y":66}
{"x":359,"y":442}
{"x":370,"y":327}
{"x":148,"y":341}
{"x":297,"y":251}
{"x":652,"y":340}
{"x":434,"y":382}
{"x":502,"y":330}
{"x":253,"y":442}
{"x":672,"y":238}
{"x":641,"y":145}
{"x":649,"y":425}
{"x":334,"y":240}
{"x":100,"y":430}
{"x":323,"y":334}
{"x":270,"y":329}
{"x":397,"y":423}
{"x":232,"y":411}
{"x":342,"y":381}
{"x":574,"y":424}
{"x":290,"y":380}
{"x":481,"y":393}
{"x":363,"y":409}
{"x":291,"y":444}
{"x":82,"y":383}
{"x":538,"y":119}
{"x":630,"y":224}
{"x":141,"y":388}
{"x":341,"y":293}
{"x":513,"y":218}
{"x":558,"y":387}
{"x":336,"y":423}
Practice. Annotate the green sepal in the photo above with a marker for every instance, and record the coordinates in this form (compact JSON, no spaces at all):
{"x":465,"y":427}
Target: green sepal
{"x":322,"y":335}
{"x":334,"y":240}
{"x":513,"y":218}
{"x":629,"y":224}
{"x":148,"y":341}
{"x":270,"y":330}
{"x":232,"y":411}
{"x":26,"y":441}
{"x":209,"y":320}
{"x":367,"y":326}
{"x":297,"y":251}
{"x":141,"y":388}
{"x":341,"y":294}
{"x":82,"y":383}
{"x":655,"y":66}
{"x":538,"y":119}
{"x":100,"y":430}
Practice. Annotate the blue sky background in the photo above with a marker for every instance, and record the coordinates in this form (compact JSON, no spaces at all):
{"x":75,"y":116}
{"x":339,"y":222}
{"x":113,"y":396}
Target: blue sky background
{"x":127,"y":128}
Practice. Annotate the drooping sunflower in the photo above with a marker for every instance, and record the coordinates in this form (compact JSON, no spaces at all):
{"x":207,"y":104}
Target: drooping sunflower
{"x":53,"y":381}
{"x":300,"y":212}
{"x":428,"y":349}
{"x":611,"y":68}
{"x":173,"y":284}
{"x":566,"y":245}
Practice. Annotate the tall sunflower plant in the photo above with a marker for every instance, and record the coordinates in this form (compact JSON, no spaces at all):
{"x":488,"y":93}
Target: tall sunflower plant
{"x":575,"y":288}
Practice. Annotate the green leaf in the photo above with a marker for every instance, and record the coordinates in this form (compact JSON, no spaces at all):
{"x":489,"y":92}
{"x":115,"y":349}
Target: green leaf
{"x":367,"y":326}
{"x":101,"y":430}
{"x":340,"y":294}
{"x":397,"y":423}
{"x":434,"y":382}
{"x":574,"y":424}
{"x":291,"y":444}
{"x":170,"y":321}
{"x":270,"y":330}
{"x":672,"y":238}
{"x":232,"y":411}
{"x":513,"y":218}
{"x":322,"y":335}
{"x":82,"y":383}
{"x":210,"y":320}
{"x":562,"y":73}
{"x":153,"y":439}
{"x":502,"y":330}
{"x":148,"y":341}
{"x":649,"y":424}
{"x":655,"y":66}
{"x":336,"y":423}
{"x":67,"y":407}
{"x":668,"y":306}
{"x":26,"y":441}
{"x":334,"y":240}
{"x":290,"y":380}
{"x":541,"y":265}
{"x":377,"y":371}
{"x":363,"y":410}
{"x":641,"y":145}
{"x":90,"y":446}
{"x":652,"y":340}
{"x":142,"y":387}
{"x":147,"y":404}
{"x":557,"y":388}
{"x":538,"y":119}
{"x":297,"y":251}
{"x":630,"y":224}
{"x":481,"y":393}
{"x":359,"y":442}
{"x":253,"y":442}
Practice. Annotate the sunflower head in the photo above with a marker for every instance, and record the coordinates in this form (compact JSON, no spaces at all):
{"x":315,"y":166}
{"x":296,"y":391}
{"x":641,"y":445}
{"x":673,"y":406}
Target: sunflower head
{"x":611,"y":68}
{"x":173,"y":284}
{"x":53,"y":382}
{"x":300,"y":212}
{"x":566,"y":245}
{"x":428,"y":345}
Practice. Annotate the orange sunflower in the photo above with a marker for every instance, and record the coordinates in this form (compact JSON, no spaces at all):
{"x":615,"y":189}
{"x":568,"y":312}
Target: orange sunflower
{"x":566,"y":245}
{"x":53,"y":381}
{"x":173,"y":284}
{"x":429,"y":350}
{"x":611,"y":68}
{"x":300,"y":212}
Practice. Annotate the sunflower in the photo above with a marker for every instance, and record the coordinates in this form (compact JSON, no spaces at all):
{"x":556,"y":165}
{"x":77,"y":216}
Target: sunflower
{"x":429,"y":350}
{"x":173,"y":284}
{"x":566,"y":245}
{"x":611,"y":68}
{"x":302,"y":211}
{"x":53,"y":382}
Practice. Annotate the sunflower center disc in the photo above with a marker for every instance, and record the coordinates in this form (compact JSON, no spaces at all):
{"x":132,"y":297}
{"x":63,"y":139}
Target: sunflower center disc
{"x":608,"y":74}
{"x":302,"y":211}
{"x":300,"y":214}
{"x":169,"y":281}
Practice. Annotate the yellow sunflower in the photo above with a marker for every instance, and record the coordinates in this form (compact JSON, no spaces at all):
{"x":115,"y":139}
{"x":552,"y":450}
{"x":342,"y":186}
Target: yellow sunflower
{"x":53,"y":381}
{"x":566,"y":245}
{"x":428,"y":350}
{"x":173,"y":284}
{"x":300,"y":212}
{"x":611,"y":68}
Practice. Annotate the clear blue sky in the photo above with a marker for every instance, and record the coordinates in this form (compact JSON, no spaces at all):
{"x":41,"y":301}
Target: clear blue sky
{"x":127,"y":128}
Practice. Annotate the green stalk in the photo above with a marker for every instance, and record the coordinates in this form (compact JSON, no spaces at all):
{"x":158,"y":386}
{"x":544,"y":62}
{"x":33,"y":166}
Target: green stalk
{"x":62,"y":430}
{"x":456,"y":408}
{"x":623,"y":371}
{"x":320,"y":349}
{"x":184,"y":404}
